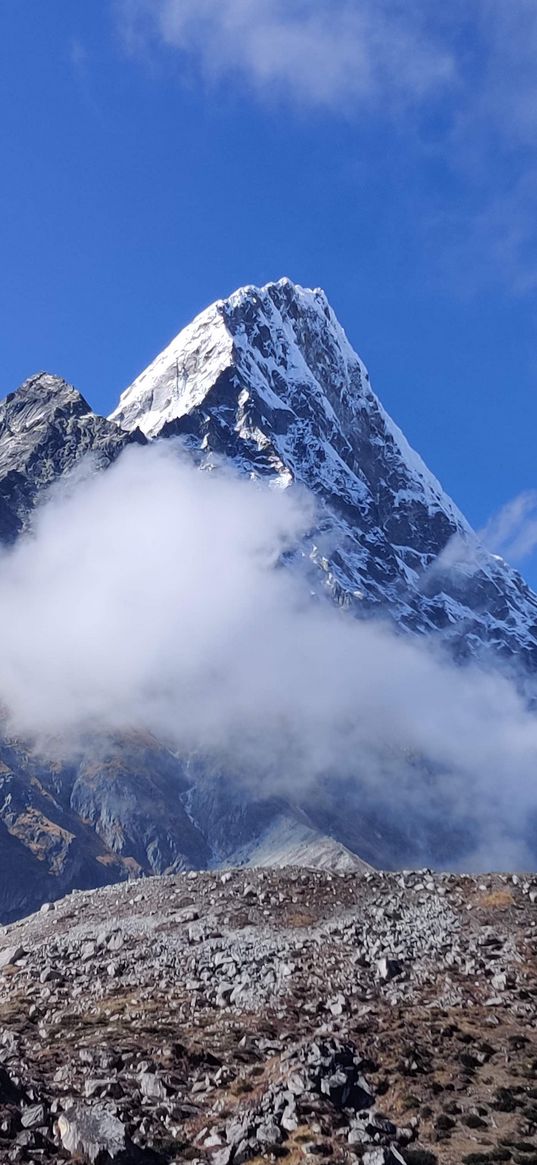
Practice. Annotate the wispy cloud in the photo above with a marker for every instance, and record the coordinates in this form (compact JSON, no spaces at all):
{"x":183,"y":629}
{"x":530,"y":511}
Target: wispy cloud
{"x":320,"y":53}
{"x":78,"y":57}
{"x":512,"y":532}
{"x":505,"y":84}
{"x":328,"y":52}
{"x":81,"y":68}
{"x":466,"y":72}
{"x":492,"y":146}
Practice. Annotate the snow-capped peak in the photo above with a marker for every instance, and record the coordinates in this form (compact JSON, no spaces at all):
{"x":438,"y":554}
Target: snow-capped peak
{"x":278,"y":339}
{"x":268,"y":379}
{"x":180,"y":377}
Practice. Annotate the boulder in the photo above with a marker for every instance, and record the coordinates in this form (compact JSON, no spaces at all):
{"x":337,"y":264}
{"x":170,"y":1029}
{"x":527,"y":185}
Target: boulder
{"x":93,"y":1133}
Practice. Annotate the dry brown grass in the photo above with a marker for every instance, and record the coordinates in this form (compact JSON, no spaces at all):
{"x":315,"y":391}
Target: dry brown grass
{"x":299,"y":918}
{"x":45,"y":839}
{"x":131,"y":867}
{"x":497,"y":900}
{"x":297,"y":1146}
{"x":15,"y":1008}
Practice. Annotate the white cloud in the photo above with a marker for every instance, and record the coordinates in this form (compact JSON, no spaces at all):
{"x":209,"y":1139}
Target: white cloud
{"x":330,"y":52}
{"x":472,"y":64}
{"x":512,"y":532}
{"x":318,"y":52}
{"x":151,"y":596}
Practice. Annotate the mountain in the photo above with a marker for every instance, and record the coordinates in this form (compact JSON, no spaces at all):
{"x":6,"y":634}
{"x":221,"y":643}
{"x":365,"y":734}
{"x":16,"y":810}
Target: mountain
{"x":268,"y":380}
{"x":265,"y":381}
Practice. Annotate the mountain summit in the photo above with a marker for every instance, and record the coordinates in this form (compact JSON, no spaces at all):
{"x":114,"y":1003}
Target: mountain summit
{"x":269,"y":380}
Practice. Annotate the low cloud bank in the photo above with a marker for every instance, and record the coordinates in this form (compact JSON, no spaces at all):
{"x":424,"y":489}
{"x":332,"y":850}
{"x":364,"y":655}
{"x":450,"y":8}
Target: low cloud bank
{"x":153,"y":596}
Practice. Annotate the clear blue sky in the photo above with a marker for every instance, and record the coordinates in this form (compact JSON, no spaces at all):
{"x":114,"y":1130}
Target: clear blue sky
{"x":156,"y":154}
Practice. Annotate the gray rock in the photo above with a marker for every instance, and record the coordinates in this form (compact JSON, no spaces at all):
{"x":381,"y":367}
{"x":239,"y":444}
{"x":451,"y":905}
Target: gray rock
{"x":297,"y":1083}
{"x":10,"y":956}
{"x":152,"y":1087}
{"x":389,"y":968}
{"x":357,"y":1135}
{"x":237,"y":1130}
{"x":91,"y":1132}
{"x":34,"y":1117}
{"x":222,"y":1156}
{"x":223,"y":994}
{"x":289,"y":1120}
{"x":269,"y":1133}
{"x":115,"y":941}
{"x":50,"y":975}
{"x":87,"y":951}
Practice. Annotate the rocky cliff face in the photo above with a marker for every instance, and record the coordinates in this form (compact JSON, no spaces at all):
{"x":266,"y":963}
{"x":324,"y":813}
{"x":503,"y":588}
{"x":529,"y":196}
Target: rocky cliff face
{"x":47,"y":429}
{"x":127,"y":807}
{"x":268,"y":382}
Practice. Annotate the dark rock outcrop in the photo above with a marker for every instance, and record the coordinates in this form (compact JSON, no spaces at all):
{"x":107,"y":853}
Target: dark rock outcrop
{"x":47,"y":429}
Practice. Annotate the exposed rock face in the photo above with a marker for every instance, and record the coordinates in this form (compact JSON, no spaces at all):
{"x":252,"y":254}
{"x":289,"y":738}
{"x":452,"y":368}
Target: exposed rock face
{"x":46,"y":429}
{"x":127,"y":807}
{"x":88,"y":822}
{"x":92,"y":1133}
{"x":229,"y":1018}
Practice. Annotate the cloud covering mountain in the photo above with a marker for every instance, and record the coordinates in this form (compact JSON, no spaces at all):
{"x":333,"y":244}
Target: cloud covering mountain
{"x":154,"y":596}
{"x":242,"y":618}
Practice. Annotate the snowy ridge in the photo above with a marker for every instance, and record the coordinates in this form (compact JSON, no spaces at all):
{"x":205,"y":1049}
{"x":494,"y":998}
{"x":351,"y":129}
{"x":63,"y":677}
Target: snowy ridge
{"x":268,"y":379}
{"x":179,"y":379}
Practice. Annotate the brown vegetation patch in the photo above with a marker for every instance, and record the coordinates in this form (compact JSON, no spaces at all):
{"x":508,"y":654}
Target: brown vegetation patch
{"x":299,"y":918}
{"x":497,"y":900}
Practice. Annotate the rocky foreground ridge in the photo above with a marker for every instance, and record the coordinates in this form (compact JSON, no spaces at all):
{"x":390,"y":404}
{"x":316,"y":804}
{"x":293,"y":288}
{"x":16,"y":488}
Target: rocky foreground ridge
{"x":252,"y":1016}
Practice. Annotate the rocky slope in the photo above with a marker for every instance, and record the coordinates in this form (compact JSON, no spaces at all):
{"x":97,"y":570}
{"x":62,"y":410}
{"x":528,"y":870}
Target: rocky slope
{"x":267,"y":1015}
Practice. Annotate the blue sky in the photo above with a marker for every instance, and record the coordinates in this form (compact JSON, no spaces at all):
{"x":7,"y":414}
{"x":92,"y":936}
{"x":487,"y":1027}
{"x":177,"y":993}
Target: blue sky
{"x":156,"y":154}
